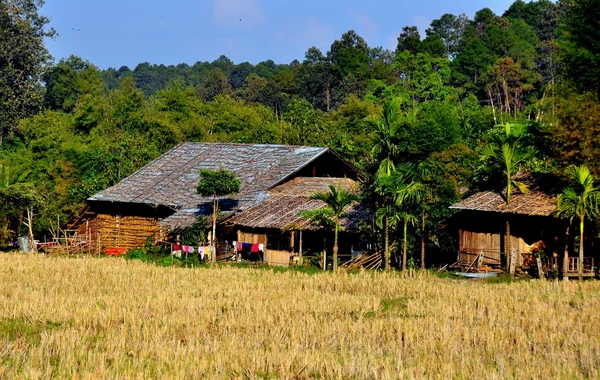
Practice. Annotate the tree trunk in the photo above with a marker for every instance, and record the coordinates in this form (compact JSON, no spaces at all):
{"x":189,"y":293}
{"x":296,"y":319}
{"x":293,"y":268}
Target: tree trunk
{"x":32,"y":245}
{"x":580,"y":265}
{"x":507,"y":246}
{"x":423,"y":241}
{"x":387,"y":245}
{"x":404,"y":246}
{"x":335,"y":245}
{"x":213,"y":257}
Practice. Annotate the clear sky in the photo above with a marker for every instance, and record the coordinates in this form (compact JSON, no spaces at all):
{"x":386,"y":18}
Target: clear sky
{"x":113,"y":33}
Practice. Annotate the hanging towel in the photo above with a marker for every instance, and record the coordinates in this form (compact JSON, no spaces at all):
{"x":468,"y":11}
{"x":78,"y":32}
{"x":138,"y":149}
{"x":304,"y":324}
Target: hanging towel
{"x":201,"y":251}
{"x":246,"y":245}
{"x":240,"y":246}
{"x":254,"y":248}
{"x":261,"y":247}
{"x":177,"y":253}
{"x":192,"y":250}
{"x":234,"y":244}
{"x":186,"y":248}
{"x":176,"y":247}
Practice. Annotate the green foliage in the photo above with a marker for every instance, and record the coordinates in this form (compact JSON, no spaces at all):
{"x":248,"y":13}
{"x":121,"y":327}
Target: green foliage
{"x":218,"y":183}
{"x":581,"y":199}
{"x":24,"y":58}
{"x":507,"y":152}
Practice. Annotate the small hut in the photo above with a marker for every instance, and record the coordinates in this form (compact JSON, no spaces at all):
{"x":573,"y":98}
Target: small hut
{"x":482,"y":219}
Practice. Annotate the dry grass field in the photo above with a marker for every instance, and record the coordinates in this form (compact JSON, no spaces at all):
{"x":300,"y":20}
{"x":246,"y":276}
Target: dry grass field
{"x":107,"y":318}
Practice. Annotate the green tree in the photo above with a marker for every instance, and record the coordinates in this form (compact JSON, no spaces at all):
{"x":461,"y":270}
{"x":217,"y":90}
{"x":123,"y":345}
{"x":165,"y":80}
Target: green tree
{"x":24,"y":58}
{"x":23,"y":197}
{"x":581,"y":200}
{"x":336,"y":200}
{"x":217,"y":184}
{"x":581,"y":48}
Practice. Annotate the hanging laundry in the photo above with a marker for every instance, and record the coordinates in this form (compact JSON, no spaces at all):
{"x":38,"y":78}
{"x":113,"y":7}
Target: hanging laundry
{"x":201,"y":252}
{"x":261,"y":247}
{"x":254,"y":248}
{"x":186,"y":248}
{"x":177,"y":253}
{"x":240,"y":245}
{"x":246,"y":245}
{"x":176,"y":247}
{"x":192,"y":250}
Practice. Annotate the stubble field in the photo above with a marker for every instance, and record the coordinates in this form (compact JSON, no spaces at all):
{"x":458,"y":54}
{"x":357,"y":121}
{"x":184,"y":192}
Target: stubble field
{"x":99,"y":318}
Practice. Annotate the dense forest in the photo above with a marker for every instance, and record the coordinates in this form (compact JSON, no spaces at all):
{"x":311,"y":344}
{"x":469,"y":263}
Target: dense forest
{"x":431,"y":107}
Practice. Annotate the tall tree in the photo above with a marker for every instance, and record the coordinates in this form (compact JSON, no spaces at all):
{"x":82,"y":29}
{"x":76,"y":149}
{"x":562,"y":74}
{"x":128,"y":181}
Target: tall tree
{"x":23,"y":60}
{"x":582,"y":50}
{"x":409,"y":40}
{"x":217,"y":184}
{"x":581,"y":200}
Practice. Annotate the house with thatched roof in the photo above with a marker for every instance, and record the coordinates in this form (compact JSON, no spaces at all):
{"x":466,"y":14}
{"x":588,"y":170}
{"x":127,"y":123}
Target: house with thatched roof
{"x":160,"y":199}
{"x":481,"y":222}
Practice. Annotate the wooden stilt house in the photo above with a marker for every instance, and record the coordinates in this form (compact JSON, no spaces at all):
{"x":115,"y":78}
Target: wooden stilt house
{"x":483,"y":217}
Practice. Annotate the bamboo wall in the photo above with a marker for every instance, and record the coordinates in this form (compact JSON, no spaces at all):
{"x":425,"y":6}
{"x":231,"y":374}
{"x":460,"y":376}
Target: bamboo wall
{"x":125,"y":231}
{"x":271,"y":256}
{"x":471,"y":243}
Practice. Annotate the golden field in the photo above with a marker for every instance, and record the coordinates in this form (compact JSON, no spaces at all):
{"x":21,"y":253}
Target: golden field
{"x":107,"y":318}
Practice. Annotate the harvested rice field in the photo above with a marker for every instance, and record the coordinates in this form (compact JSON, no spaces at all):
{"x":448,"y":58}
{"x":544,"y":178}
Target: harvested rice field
{"x":108,"y":317}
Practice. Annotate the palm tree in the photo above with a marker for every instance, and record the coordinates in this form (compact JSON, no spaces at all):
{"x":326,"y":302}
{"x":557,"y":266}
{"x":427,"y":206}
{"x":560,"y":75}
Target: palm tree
{"x":387,"y":218}
{"x":336,"y":199}
{"x":581,"y":201}
{"x":506,"y":152}
{"x":401,"y":193}
{"x":386,"y":128}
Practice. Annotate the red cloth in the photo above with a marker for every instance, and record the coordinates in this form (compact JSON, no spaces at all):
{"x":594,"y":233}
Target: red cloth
{"x":115,"y":251}
{"x":254,"y":248}
{"x":240,"y":245}
{"x":176,"y":247}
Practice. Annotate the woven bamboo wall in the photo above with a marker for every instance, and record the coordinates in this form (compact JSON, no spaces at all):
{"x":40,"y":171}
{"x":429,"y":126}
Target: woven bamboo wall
{"x":126,"y":231}
{"x":252,"y":238}
{"x":472,"y":242}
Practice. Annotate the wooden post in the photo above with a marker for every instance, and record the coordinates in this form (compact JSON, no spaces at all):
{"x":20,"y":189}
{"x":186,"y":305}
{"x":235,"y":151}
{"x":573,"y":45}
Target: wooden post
{"x":540,"y":268}
{"x":292,"y":243}
{"x":300,"y":247}
{"x":238,"y":253}
{"x":513,"y":261}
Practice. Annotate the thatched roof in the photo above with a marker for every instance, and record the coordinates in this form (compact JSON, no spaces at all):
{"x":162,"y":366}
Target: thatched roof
{"x":283,"y":203}
{"x":539,"y":201}
{"x":171,"y":179}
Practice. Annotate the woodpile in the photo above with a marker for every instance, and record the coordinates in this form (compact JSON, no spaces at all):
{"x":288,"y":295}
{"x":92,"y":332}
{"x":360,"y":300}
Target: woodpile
{"x":364,"y":260}
{"x":125,"y":231}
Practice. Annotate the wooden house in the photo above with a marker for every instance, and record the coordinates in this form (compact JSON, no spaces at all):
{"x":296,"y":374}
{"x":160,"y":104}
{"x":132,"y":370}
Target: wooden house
{"x":160,"y":199}
{"x":481,"y":225}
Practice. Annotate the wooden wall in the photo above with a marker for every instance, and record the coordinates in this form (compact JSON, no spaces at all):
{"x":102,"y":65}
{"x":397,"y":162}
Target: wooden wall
{"x":471,"y":243}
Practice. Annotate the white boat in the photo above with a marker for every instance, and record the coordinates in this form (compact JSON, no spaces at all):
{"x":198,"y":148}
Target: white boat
{"x":476,"y":275}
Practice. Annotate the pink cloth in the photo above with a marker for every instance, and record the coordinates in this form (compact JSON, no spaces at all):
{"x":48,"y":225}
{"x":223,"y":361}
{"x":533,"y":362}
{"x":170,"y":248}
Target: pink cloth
{"x":186,"y":248}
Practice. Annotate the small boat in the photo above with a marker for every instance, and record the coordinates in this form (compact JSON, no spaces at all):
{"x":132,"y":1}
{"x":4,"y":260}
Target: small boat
{"x":476,"y":275}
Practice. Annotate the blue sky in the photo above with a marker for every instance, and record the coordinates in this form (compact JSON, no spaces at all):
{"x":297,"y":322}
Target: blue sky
{"x":111,"y":33}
